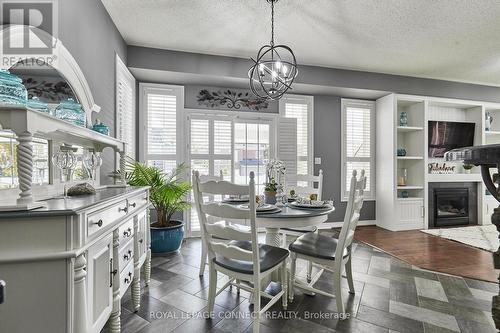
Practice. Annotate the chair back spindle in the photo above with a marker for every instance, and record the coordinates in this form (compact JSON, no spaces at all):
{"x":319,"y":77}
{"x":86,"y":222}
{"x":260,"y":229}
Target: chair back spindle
{"x":351,"y":219}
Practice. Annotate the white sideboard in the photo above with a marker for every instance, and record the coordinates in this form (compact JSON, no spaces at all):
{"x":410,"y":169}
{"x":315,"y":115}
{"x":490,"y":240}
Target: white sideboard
{"x":68,"y":264}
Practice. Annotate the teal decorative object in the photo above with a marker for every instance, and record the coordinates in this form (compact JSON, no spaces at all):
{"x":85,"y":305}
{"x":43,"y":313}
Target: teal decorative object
{"x":405,"y":194}
{"x":403,"y":119}
{"x":100,"y":127}
{"x":36,"y":104}
{"x":401,"y":152}
{"x":72,"y":112}
{"x":12,"y":90}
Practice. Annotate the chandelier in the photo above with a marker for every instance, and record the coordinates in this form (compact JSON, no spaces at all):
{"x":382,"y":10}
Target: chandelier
{"x":273,"y":72}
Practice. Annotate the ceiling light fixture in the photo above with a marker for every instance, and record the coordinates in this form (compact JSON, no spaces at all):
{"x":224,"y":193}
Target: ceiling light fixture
{"x":275,"y":68}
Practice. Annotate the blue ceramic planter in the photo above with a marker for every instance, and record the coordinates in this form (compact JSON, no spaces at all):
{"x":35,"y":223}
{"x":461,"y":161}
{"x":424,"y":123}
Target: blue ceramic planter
{"x":169,"y":239}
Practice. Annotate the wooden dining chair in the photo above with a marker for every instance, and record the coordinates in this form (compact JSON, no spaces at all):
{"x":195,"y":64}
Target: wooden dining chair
{"x":203,"y":261}
{"x":329,"y":253}
{"x":303,"y":185}
{"x":243,"y":258}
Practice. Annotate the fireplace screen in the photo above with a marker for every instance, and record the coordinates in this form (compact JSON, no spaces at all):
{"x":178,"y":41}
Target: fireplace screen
{"x":452,"y":205}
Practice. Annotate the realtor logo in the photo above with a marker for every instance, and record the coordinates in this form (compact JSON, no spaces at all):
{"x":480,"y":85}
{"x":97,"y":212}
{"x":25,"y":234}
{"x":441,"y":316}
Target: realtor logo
{"x":39,"y":19}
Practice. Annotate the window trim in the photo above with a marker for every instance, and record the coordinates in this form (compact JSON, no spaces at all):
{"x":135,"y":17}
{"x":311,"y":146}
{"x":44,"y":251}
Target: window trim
{"x":144,"y":88}
{"x":309,"y":100}
{"x":345,"y":102}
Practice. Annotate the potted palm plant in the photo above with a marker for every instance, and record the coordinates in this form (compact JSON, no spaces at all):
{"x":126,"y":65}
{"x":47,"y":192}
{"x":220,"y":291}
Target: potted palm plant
{"x":167,"y":194}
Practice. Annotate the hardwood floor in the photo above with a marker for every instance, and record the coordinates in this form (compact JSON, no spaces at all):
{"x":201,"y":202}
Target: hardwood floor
{"x":431,"y":252}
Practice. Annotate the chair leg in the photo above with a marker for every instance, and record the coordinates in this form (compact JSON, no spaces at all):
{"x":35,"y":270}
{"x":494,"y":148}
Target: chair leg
{"x":238,"y":286}
{"x":204,"y":256}
{"x":309,"y":271}
{"x":212,"y":287}
{"x":348,"y":273}
{"x":337,"y":276}
{"x":284,"y":285}
{"x":291,"y":291}
{"x":256,"y":307}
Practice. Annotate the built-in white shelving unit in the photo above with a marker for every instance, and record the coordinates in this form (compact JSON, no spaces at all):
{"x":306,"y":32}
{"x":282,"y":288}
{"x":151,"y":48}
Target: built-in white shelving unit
{"x":405,"y":207}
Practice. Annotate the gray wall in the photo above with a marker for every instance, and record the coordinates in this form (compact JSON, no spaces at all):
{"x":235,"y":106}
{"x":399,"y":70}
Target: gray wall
{"x":237,"y":68}
{"x":88,"y":32}
{"x":327,"y":145}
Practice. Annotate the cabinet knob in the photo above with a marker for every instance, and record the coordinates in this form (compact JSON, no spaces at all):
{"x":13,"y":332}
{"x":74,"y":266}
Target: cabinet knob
{"x":124,"y":209}
{"x":133,"y":204}
{"x":141,"y":240}
{"x":99,"y":223}
{"x":127,"y":233}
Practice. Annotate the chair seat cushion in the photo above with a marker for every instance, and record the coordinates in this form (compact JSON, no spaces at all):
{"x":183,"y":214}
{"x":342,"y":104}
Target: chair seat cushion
{"x":270,"y":256}
{"x":316,"y":245}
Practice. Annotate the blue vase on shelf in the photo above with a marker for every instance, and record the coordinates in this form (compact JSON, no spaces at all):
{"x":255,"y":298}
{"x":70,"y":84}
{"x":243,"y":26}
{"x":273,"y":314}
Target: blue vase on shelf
{"x":36,"y":104}
{"x":12,"y":90}
{"x":403,"y":119}
{"x":72,"y":112}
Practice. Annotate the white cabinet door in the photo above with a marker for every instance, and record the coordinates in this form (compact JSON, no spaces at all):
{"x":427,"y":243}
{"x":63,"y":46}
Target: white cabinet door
{"x":100,"y":289}
{"x":411,"y":213}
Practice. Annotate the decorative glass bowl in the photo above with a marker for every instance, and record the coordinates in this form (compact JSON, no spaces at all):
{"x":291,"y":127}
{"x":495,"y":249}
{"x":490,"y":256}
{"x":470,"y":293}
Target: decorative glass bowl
{"x":36,"y":104}
{"x":100,"y":127}
{"x":12,"y":90}
{"x":72,"y":112}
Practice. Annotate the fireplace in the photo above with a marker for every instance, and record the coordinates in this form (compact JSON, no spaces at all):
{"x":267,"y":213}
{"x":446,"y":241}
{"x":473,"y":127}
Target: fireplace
{"x":452,"y":204}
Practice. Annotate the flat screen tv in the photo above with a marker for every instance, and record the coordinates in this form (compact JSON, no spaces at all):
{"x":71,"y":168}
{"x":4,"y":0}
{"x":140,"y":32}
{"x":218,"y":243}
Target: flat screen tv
{"x":448,"y":135}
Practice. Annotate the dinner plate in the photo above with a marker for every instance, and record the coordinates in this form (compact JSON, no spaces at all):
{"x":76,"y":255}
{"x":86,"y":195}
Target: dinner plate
{"x":236,"y":199}
{"x":263,"y":208}
{"x":309,"y":206}
{"x":273,"y":211}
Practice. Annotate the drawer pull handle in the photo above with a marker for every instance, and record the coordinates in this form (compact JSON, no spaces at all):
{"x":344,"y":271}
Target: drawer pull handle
{"x":112,"y":272}
{"x":127,"y":256}
{"x":141,"y":240}
{"x":127,"y":233}
{"x":129,"y":278}
{"x":124,"y":209}
{"x":133,"y":204}
{"x":99,"y":223}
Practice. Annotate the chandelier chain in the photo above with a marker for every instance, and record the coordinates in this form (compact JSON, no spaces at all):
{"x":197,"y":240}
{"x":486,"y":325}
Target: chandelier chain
{"x":272,"y":22}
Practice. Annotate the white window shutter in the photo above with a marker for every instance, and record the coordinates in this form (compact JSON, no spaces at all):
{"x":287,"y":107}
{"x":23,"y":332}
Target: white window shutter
{"x":287,"y":143}
{"x":125,"y":107}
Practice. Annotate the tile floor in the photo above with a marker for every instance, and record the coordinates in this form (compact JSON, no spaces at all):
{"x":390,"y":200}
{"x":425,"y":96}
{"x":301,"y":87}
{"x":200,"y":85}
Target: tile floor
{"x":391,"y":296}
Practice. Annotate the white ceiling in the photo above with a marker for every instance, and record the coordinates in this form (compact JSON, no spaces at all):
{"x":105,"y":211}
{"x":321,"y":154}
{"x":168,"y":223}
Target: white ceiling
{"x":446,"y":39}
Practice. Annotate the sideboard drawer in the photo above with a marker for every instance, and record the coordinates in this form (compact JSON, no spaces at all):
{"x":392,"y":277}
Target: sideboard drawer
{"x":126,"y":255}
{"x":137,"y":202}
{"x":126,"y":277}
{"x":126,"y":231}
{"x":103,"y":217}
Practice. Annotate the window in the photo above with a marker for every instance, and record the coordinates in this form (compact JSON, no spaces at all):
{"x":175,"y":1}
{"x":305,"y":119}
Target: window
{"x":233,"y":143}
{"x":358,"y":143}
{"x":301,"y":108}
{"x":125,"y":107}
{"x":161,"y":107}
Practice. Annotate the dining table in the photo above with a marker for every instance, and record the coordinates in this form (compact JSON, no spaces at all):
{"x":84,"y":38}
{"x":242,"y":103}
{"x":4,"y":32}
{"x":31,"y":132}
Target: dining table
{"x":290,"y":218}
